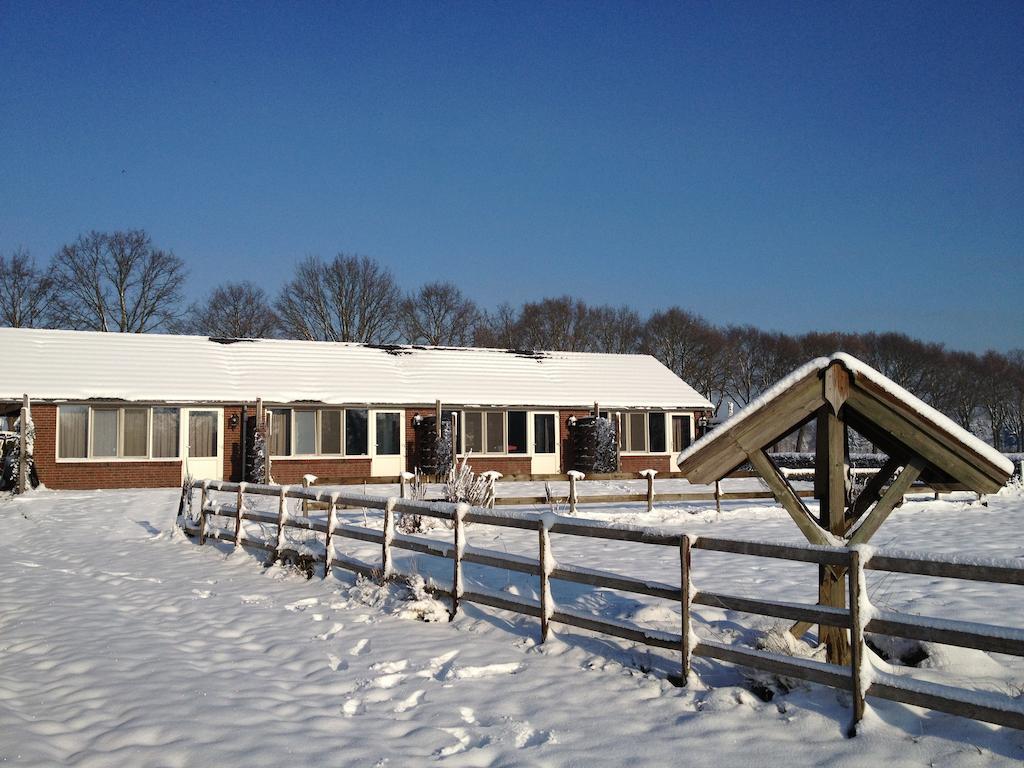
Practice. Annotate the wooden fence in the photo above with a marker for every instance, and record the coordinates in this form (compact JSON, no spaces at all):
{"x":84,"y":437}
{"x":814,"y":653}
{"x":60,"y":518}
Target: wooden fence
{"x":858,"y":618}
{"x":573,"y":499}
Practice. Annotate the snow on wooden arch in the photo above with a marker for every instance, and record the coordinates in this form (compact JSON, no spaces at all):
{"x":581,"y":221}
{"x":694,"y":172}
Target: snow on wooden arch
{"x":839,"y":392}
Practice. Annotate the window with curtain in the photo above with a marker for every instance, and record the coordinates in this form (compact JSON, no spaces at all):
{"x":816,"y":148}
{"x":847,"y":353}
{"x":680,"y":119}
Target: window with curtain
{"x":389,"y":430}
{"x":330,"y":433}
{"x":637,"y":432}
{"x":680,"y":432}
{"x":473,"y":429}
{"x":279,"y":440}
{"x":165,"y":433}
{"x":74,"y":431}
{"x":104,"y":432}
{"x":357,"y":442}
{"x":495,"y":438}
{"x":305,"y":433}
{"x":202,"y":434}
{"x":135,"y":440}
{"x":543,"y":433}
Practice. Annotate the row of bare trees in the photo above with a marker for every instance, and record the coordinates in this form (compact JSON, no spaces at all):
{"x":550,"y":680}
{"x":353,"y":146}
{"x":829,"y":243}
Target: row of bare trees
{"x":120,"y":281}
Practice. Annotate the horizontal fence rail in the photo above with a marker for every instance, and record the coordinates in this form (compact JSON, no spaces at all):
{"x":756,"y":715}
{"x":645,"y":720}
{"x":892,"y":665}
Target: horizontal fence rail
{"x":573,"y":499}
{"x":990,"y":707}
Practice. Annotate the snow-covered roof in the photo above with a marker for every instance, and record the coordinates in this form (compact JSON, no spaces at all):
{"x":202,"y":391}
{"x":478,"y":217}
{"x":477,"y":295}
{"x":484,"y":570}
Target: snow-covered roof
{"x":79,"y":365}
{"x":988,"y":459}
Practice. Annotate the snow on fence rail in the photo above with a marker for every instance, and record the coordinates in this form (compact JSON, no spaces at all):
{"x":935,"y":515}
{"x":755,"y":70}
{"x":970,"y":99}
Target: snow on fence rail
{"x":573,"y":499}
{"x":858,"y":678}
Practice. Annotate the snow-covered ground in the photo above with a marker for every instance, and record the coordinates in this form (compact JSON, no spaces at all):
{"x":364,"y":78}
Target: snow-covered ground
{"x":123,"y":643}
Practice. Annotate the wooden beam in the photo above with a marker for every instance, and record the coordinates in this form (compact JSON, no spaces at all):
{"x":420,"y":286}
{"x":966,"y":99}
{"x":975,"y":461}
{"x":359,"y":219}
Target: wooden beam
{"x":889,"y":501}
{"x":943,"y":456}
{"x":788,"y":498}
{"x":872,"y":491}
{"x":831,"y":588}
{"x":837,"y":386}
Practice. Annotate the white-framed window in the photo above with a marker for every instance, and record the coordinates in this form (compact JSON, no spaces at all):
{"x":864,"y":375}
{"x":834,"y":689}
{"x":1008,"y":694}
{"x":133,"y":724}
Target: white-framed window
{"x":642,"y":432}
{"x":388,"y":433}
{"x":500,"y":432}
{"x":327,"y":432}
{"x":106,"y":432}
{"x":545,"y":433}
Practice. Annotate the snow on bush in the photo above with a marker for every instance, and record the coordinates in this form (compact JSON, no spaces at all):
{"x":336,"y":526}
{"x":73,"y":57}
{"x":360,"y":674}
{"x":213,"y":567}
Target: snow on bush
{"x":462,"y":485}
{"x":405,"y":597}
{"x":416,"y":490}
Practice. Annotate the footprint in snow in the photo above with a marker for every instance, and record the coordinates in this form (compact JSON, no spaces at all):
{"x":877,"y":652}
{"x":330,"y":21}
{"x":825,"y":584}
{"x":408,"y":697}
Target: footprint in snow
{"x":201,"y":594}
{"x":488,"y":670}
{"x":409,"y":702}
{"x":336,"y":627}
{"x":360,"y":648}
{"x":337,"y":664}
{"x":352,"y":707}
{"x":303,"y":604}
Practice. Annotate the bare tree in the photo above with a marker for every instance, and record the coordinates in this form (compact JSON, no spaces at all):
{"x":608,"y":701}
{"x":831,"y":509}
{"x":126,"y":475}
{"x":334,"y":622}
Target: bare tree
{"x":996,"y":393}
{"x":350,"y":298}
{"x":959,"y":395}
{"x":498,"y":328}
{"x":560,"y":323}
{"x":757,"y":359}
{"x":233,"y":310}
{"x":439,"y":315}
{"x":25,"y":292}
{"x":117,"y":282}
{"x":691,"y":347}
{"x":1015,"y":358}
{"x":917,"y":366}
{"x":616,"y":330}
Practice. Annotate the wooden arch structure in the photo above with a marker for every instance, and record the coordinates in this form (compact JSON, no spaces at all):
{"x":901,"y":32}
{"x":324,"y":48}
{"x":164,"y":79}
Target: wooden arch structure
{"x":838,"y":393}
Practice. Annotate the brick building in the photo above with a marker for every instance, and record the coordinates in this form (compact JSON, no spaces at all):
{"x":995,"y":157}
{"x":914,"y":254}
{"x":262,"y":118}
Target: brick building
{"x":139,"y":410}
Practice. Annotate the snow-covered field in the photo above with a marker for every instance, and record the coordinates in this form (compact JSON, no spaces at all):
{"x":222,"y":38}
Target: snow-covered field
{"x":123,"y":643}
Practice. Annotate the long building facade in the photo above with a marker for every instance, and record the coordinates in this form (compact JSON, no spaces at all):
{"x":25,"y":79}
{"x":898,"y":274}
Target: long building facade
{"x":143,"y":410}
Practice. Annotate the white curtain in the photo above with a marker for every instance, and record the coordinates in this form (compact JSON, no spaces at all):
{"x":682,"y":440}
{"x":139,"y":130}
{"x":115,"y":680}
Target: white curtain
{"x":74,"y":428}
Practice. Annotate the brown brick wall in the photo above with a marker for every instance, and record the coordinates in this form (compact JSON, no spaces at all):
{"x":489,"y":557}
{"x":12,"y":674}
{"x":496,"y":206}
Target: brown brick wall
{"x":93,"y":474}
{"x":640,"y":463}
{"x":233,"y":442}
{"x":507,"y":465}
{"x":290,"y":471}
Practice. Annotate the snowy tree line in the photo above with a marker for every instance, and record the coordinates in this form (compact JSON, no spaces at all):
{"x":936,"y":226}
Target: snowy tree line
{"x":121,"y":281}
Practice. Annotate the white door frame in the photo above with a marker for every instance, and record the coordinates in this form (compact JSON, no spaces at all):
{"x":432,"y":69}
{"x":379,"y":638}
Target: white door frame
{"x":203,"y":468}
{"x":543,"y":463}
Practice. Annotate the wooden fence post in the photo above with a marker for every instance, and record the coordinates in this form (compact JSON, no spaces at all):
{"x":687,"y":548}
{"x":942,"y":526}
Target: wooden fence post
{"x":202,"y":513}
{"x":307,"y":481}
{"x":23,"y":446}
{"x":649,"y":475}
{"x":332,"y":512}
{"x":544,"y":560}
{"x":239,"y":506}
{"x":282,"y":513}
{"x":684,"y":600}
{"x":573,"y":498}
{"x":459,"y":533}
{"x":718,"y":496}
{"x":855,"y":575}
{"x":389,"y":535}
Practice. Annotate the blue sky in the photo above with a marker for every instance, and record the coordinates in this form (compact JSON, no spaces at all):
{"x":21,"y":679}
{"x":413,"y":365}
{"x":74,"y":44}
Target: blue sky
{"x":794,"y":166}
